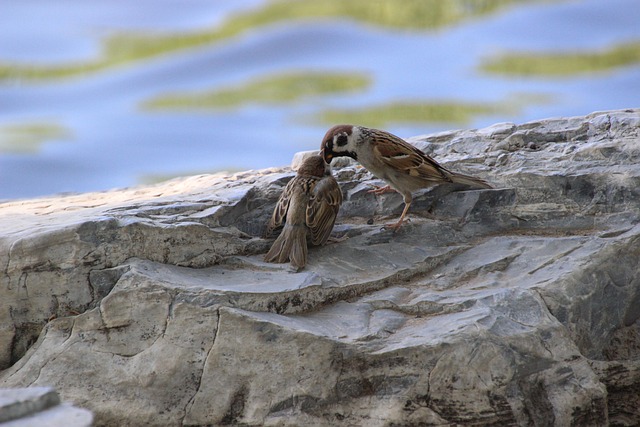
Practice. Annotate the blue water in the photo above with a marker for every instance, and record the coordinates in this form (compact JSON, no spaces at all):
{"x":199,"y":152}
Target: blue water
{"x":114,"y":143}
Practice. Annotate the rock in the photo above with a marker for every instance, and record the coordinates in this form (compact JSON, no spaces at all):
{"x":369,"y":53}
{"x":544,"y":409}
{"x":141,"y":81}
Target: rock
{"x":516,"y":305}
{"x":300,"y":157}
{"x":39,"y":406}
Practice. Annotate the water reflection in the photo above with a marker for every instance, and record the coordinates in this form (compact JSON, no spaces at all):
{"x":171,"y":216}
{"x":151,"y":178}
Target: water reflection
{"x":459,"y":113}
{"x":129,"y":47}
{"x":27,"y":138}
{"x":383,"y":116}
{"x":159,"y":88}
{"x":565,"y":64}
{"x":277,"y":89}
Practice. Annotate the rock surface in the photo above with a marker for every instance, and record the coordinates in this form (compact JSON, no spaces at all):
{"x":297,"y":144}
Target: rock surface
{"x":512,"y":306}
{"x":39,"y":406}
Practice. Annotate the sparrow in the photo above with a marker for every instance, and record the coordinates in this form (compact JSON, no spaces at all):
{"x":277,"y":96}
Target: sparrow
{"x":390,"y":158}
{"x":308,"y":206}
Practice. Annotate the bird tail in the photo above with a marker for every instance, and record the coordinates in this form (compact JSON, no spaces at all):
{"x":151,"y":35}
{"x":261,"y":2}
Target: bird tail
{"x":473,"y":182}
{"x":291,"y":245}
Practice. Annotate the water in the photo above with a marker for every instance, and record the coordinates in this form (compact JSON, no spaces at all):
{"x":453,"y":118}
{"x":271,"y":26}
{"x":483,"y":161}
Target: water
{"x":93,"y":130}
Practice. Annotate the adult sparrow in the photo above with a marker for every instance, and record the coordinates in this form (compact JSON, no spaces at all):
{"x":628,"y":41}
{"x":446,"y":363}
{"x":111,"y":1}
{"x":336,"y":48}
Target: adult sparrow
{"x":404,"y":167}
{"x":308,"y":206}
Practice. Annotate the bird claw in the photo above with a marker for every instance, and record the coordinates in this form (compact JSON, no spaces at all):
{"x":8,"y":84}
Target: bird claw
{"x":377,"y":190}
{"x":332,"y":239}
{"x":393,"y":227}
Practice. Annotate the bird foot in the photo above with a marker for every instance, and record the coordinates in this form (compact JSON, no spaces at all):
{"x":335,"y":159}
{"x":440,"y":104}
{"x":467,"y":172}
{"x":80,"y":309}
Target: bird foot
{"x":332,"y":239}
{"x":377,"y":190}
{"x":395,"y":226}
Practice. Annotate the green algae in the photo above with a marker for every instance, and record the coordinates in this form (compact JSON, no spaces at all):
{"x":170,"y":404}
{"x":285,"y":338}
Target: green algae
{"x":276,"y":89}
{"x":564,"y":64}
{"x":27,"y":138}
{"x":124,"y":48}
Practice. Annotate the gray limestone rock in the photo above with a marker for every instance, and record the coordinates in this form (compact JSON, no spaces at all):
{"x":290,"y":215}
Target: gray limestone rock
{"x":39,"y":406}
{"x":511,"y":306}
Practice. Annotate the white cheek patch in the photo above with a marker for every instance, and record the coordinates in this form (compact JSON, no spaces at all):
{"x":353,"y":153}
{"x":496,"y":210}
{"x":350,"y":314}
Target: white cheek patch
{"x":355,"y":134}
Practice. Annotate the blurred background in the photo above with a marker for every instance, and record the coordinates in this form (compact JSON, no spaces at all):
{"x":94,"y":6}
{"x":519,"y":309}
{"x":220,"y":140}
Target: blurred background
{"x":113,"y":93}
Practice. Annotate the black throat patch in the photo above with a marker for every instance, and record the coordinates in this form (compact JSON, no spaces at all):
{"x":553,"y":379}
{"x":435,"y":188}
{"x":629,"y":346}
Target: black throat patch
{"x":351,"y":154}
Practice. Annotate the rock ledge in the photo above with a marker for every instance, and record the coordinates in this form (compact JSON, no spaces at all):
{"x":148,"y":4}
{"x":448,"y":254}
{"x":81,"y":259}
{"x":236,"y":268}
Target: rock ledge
{"x":39,"y":406}
{"x":512,"y":306}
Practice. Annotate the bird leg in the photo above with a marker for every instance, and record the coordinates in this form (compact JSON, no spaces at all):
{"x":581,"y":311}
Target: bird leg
{"x":396,"y":226}
{"x":377,"y":190}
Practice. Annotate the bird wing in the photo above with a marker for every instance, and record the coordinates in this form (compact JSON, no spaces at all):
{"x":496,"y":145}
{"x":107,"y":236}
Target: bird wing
{"x":282,"y":206}
{"x":402,"y":156}
{"x":322,"y":209}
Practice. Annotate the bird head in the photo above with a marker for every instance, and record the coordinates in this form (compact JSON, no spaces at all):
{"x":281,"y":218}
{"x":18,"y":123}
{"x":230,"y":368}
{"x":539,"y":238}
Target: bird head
{"x":314,"y":166}
{"x":339,"y":141}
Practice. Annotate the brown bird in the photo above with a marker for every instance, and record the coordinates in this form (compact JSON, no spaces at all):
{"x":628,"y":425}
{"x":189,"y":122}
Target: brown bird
{"x":308,"y":206}
{"x":404,"y":167}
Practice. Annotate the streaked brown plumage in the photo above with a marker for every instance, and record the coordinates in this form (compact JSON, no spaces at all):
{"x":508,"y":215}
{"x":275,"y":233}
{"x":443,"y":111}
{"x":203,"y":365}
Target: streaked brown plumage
{"x":308,"y":207}
{"x":404,"y":167}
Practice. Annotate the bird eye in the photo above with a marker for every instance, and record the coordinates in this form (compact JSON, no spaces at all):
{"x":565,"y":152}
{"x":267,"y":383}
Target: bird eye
{"x":342,"y":140}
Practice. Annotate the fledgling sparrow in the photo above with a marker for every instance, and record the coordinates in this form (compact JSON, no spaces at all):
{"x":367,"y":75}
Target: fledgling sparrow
{"x":404,"y":167}
{"x":308,"y":207}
